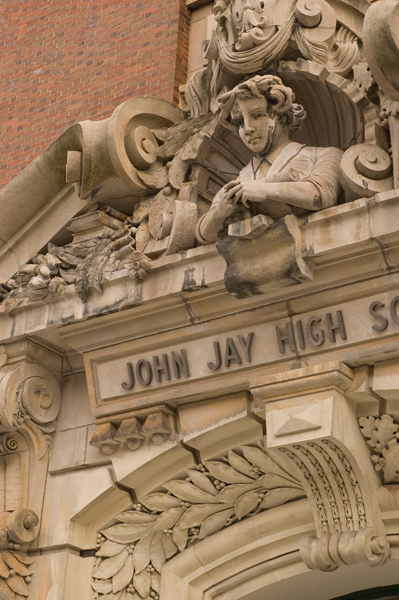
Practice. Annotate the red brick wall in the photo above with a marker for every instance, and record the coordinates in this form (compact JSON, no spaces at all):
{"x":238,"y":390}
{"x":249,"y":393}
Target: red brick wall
{"x":63,"y":61}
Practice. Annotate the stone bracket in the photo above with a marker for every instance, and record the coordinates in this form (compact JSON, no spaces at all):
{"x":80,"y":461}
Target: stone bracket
{"x":157,"y":426}
{"x":315,"y":426}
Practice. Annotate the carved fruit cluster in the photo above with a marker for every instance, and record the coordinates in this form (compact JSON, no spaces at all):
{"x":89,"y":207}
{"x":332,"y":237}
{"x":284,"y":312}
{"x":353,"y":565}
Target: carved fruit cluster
{"x":214,"y":495}
{"x":382,"y":435}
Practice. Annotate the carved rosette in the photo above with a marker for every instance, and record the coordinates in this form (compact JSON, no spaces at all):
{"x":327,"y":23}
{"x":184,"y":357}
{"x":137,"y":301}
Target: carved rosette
{"x":214,"y":495}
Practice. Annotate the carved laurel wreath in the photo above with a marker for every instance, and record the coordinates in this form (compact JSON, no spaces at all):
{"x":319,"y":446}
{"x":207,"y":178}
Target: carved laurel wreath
{"x":14,"y":574}
{"x":214,"y":495}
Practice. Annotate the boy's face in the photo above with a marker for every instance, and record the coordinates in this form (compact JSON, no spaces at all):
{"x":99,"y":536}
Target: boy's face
{"x":254,"y":123}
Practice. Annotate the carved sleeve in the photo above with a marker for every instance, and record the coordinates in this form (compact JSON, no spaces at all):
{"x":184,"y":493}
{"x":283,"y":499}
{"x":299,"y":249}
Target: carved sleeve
{"x":325,"y":175}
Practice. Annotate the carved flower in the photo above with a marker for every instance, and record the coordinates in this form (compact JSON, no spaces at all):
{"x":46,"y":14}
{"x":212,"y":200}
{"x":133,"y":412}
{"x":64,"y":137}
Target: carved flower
{"x":139,"y":265}
{"x":213,"y":496}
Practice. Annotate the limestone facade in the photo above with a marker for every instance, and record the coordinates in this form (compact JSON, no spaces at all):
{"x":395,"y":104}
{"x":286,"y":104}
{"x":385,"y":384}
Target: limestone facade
{"x":199,"y":364}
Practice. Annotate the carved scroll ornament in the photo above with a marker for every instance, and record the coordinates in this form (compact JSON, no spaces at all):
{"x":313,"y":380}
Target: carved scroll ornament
{"x":29,"y":405}
{"x":214,"y":495}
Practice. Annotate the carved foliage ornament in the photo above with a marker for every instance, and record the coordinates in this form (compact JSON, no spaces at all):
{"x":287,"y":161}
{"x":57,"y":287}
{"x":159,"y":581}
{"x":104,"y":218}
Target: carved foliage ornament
{"x":17,"y":530}
{"x":213,"y":495}
{"x":382,"y":435}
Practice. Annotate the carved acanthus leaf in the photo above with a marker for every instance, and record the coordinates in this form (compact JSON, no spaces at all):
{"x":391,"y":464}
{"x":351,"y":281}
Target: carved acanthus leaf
{"x":214,"y":495}
{"x":382,"y":435}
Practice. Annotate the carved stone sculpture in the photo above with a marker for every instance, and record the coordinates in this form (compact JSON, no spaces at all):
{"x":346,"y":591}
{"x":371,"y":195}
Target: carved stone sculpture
{"x":282,"y":174}
{"x":153,"y":172}
{"x":213,"y":495}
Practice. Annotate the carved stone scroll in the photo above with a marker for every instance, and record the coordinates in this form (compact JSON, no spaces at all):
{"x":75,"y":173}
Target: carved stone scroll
{"x":366,"y":170}
{"x":212,"y":496}
{"x":311,"y":422}
{"x":29,"y":405}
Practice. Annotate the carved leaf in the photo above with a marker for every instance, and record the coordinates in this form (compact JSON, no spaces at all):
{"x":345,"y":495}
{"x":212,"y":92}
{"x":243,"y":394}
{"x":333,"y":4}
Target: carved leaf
{"x":4,"y":570}
{"x":160,"y":501}
{"x":232,"y":492}
{"x":18,"y":585}
{"x":13,"y":563}
{"x":124,"y":576}
{"x":201,"y":480}
{"x":27,"y":560}
{"x":180,"y":536}
{"x":126,"y":534}
{"x":280,"y":496}
{"x":226,"y":473}
{"x":168,"y":519}
{"x":158,"y":558}
{"x":195,"y":515}
{"x":367,"y":426}
{"x":214,"y":523}
{"x":110,"y":566}
{"x":240,"y":464}
{"x":142,"y":582}
{"x":142,"y":553}
{"x":262,"y":460}
{"x":156,"y":582}
{"x":129,"y":596}
{"x":187,"y":491}
{"x":385,"y":430}
{"x":391,"y":469}
{"x":102,"y":586}
{"x":110,"y":549}
{"x":169,"y":546}
{"x":246,"y":503}
{"x":136,"y":518}
{"x":275,"y":481}
{"x":5,"y":592}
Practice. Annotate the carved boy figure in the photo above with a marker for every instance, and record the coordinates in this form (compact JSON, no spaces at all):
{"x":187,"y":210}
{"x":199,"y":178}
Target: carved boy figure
{"x":283,"y":176}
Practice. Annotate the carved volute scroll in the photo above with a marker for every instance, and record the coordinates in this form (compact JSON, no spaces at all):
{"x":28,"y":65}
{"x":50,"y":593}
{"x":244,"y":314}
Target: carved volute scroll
{"x":328,"y":455}
{"x":212,"y":496}
{"x":29,"y":405}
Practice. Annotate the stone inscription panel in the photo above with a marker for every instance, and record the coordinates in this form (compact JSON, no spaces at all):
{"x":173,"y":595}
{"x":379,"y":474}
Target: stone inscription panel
{"x":127,"y":372}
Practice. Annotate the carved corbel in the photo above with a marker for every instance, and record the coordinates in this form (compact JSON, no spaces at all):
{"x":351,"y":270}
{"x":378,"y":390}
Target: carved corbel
{"x":29,"y":405}
{"x":156,"y":426}
{"x":310,"y":420}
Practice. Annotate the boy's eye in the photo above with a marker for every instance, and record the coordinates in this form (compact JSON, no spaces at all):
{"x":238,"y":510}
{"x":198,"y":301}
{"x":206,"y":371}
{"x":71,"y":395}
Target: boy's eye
{"x":259,"y":115}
